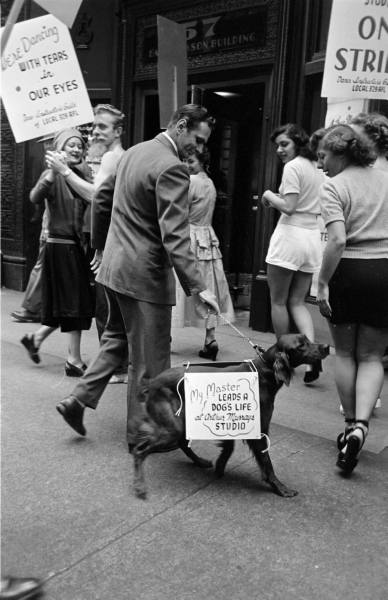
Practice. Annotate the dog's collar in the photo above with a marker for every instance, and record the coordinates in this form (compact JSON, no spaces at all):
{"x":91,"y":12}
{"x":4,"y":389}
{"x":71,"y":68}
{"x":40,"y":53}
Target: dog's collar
{"x":262,"y":363}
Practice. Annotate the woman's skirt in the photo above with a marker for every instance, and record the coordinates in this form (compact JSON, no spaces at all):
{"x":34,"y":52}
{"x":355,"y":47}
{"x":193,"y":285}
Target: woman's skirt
{"x":358,"y":292}
{"x":67,"y":297}
{"x":205,"y":246}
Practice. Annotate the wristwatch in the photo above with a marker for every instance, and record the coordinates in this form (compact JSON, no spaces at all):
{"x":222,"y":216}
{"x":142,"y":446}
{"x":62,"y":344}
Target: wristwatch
{"x":67,"y":172}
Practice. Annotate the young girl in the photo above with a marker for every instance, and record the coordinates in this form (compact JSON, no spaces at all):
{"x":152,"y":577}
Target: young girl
{"x":205,"y":245}
{"x":294,"y":252}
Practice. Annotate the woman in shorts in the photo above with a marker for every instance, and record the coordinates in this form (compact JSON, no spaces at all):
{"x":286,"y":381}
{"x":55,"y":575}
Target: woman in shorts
{"x":294,"y":252}
{"x":353,"y":280}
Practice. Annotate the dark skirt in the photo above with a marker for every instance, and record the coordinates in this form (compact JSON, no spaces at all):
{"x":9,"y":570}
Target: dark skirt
{"x":67,"y":297}
{"x":358,"y":292}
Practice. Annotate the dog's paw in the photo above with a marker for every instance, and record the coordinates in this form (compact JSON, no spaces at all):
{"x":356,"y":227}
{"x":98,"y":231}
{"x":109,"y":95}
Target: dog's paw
{"x":219,"y":469}
{"x":202,"y":463}
{"x":285,"y":492}
{"x":141,"y":493}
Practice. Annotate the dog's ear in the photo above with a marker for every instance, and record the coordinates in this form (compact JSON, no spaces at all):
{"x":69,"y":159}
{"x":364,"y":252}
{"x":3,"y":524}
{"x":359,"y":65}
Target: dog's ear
{"x":282,"y":368}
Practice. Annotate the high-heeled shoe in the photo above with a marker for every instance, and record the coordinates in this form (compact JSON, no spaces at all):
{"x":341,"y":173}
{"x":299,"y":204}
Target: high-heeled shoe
{"x":74,"y":371}
{"x":28,"y":342}
{"x":347,"y":460}
{"x":342,"y":438}
{"x":312,"y":375}
{"x":209,"y":350}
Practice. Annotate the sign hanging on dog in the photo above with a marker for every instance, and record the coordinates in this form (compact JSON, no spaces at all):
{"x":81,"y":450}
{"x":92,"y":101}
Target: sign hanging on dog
{"x":222,"y":406}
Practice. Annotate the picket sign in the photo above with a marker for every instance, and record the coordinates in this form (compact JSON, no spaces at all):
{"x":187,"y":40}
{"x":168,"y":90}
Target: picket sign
{"x":43,"y":87}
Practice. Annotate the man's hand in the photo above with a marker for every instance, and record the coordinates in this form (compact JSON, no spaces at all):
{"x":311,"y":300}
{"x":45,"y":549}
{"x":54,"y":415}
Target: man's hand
{"x":210,"y":301}
{"x":96,"y":262}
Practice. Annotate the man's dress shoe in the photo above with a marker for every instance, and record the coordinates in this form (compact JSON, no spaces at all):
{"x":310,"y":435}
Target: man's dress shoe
{"x":25,"y":316}
{"x":72,"y":411}
{"x":18,"y":588}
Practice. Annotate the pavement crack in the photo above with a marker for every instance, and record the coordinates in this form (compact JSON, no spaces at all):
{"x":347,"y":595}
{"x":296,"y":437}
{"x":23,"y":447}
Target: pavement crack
{"x":119,"y":537}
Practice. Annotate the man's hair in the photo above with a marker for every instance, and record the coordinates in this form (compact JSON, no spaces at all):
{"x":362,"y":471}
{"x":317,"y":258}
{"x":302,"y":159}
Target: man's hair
{"x":193,"y":114}
{"x":112,"y":110}
{"x":298,"y":136}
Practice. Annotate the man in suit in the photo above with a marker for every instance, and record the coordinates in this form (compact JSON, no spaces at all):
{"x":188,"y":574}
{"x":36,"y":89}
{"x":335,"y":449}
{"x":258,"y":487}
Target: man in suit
{"x":148,"y":235}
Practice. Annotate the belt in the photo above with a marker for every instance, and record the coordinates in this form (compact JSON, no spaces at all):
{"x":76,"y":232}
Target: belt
{"x":52,"y":240}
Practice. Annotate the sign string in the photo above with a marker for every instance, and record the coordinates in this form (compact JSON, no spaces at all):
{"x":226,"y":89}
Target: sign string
{"x":258,"y":349}
{"x":178,"y":412}
{"x":253,"y":368}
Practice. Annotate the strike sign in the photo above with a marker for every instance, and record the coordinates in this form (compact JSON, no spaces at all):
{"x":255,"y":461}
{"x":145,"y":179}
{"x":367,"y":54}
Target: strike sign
{"x":43,"y":87}
{"x":222,"y":406}
{"x":356,"y":64}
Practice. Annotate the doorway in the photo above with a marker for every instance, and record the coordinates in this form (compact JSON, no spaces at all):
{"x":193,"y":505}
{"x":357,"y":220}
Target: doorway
{"x":236,"y":167}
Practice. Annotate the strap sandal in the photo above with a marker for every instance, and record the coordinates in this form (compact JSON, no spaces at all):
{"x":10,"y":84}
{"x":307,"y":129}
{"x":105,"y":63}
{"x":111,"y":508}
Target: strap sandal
{"x":74,"y":371}
{"x":28,"y":342}
{"x":312,"y":375}
{"x":348,"y":457}
{"x":342,"y":437}
{"x":210,"y":350}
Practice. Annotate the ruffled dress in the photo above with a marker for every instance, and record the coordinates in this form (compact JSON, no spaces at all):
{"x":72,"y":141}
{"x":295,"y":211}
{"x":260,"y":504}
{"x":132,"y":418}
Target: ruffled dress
{"x":205,"y":246}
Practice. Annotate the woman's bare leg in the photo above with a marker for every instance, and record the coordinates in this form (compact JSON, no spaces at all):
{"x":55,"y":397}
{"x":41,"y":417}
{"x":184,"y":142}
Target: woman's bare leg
{"x":299,"y":289}
{"x":345,"y":372}
{"x":42,"y":333}
{"x":210,"y":335}
{"x":74,"y":349}
{"x":279,"y":282}
{"x":371,"y":344}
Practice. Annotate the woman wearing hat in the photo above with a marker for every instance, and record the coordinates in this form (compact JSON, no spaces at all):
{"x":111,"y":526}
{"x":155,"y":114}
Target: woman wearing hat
{"x":67,"y":302}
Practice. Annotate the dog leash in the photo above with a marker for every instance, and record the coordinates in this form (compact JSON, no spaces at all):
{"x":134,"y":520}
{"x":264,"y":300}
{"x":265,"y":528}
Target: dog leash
{"x":258,"y":349}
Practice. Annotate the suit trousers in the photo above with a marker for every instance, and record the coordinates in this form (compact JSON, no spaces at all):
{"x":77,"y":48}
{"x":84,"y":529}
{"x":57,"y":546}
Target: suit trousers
{"x":142,"y":328}
{"x":101,"y":317}
{"x":33,"y":295}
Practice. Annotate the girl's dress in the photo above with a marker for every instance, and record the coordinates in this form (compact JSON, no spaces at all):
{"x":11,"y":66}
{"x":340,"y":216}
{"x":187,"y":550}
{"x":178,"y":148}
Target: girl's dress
{"x":67,"y":299}
{"x":205,"y":246}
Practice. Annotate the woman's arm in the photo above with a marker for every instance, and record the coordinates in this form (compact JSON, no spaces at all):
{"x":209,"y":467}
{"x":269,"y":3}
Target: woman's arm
{"x":42,"y":187}
{"x":286,"y":204}
{"x":335,"y":246}
{"x":80,"y":186}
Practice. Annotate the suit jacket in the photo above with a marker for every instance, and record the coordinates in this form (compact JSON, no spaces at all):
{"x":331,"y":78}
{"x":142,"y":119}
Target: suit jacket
{"x":101,"y":212}
{"x":149,"y":229}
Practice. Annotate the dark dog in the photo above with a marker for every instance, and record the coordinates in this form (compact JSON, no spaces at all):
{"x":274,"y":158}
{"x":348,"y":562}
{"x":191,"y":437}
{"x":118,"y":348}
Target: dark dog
{"x":161,"y":430}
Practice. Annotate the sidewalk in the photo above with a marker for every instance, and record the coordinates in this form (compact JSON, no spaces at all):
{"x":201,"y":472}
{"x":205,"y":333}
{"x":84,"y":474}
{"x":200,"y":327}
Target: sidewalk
{"x":69,"y":514}
{"x":312,"y":409}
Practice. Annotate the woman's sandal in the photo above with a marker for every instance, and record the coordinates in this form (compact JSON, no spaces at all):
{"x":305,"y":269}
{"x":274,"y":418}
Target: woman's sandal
{"x":210,"y":350}
{"x":74,"y":371}
{"x":28,"y":342}
{"x":343,"y":437}
{"x":348,"y":458}
{"x":313,"y":374}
